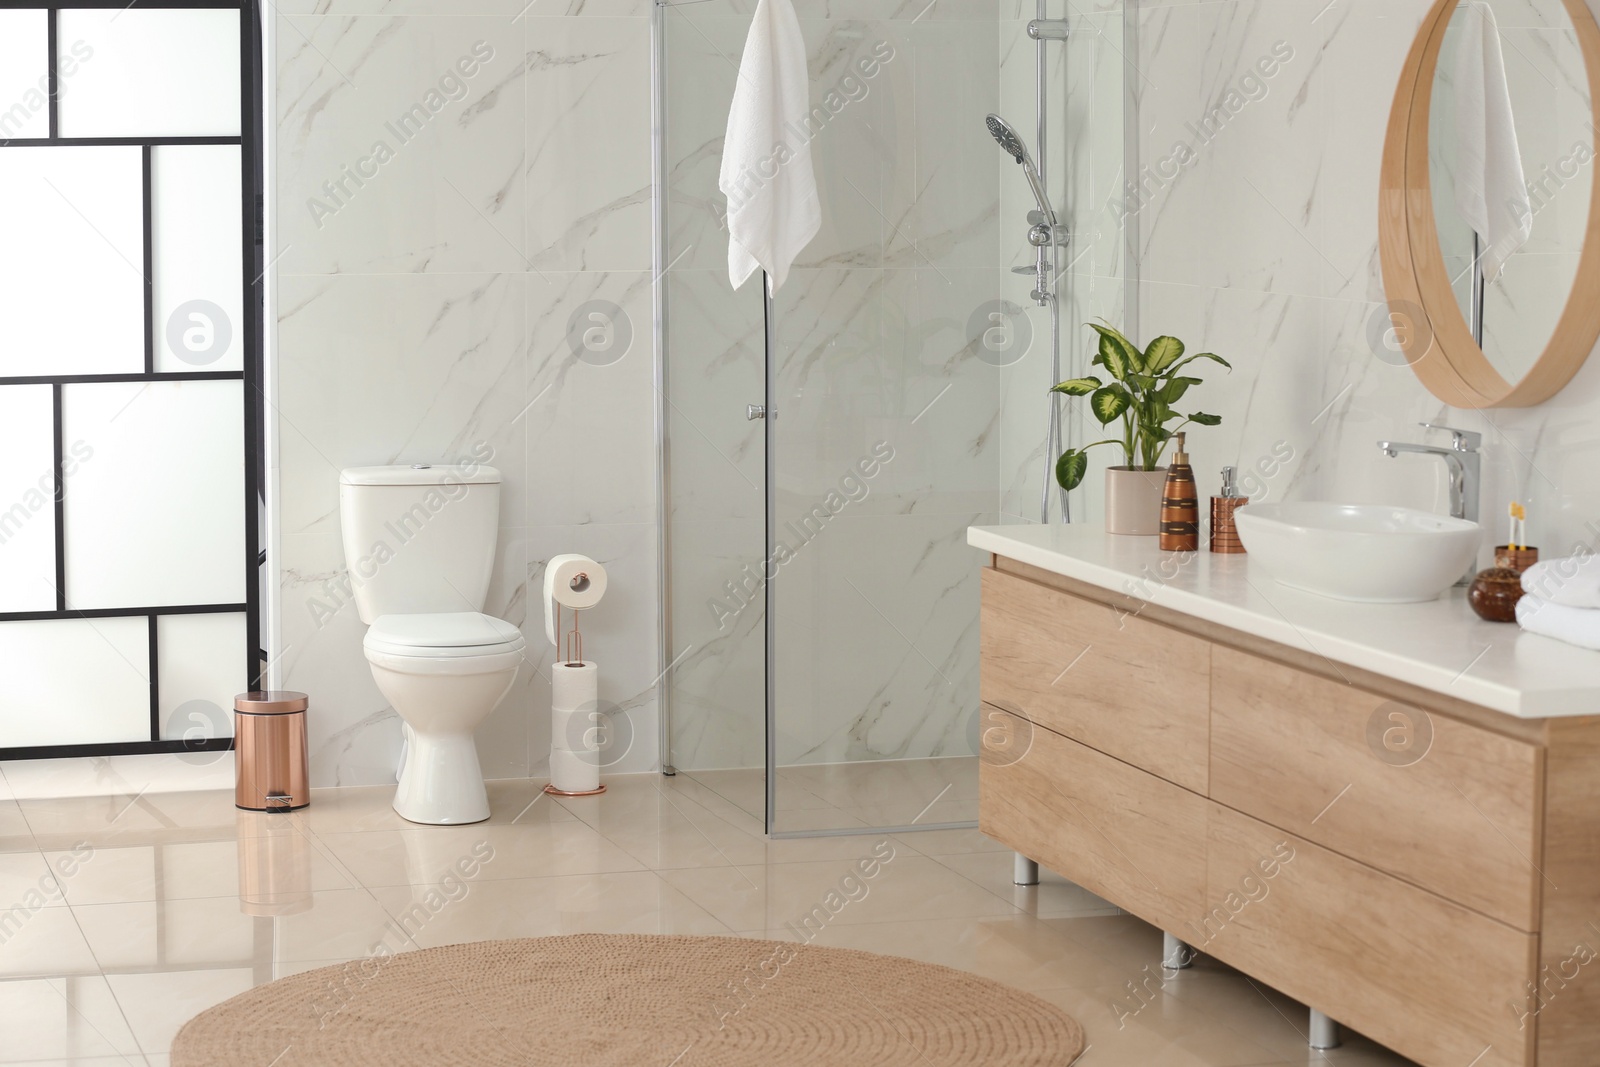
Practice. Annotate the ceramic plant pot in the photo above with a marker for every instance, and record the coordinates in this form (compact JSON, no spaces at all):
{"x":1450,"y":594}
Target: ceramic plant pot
{"x":1133,"y":501}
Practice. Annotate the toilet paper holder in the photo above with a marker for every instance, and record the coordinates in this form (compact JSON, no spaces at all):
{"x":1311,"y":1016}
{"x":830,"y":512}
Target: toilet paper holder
{"x":575,"y":583}
{"x":571,"y":643}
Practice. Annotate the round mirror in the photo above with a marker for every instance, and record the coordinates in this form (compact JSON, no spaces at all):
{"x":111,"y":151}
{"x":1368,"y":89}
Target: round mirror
{"x":1490,"y":245}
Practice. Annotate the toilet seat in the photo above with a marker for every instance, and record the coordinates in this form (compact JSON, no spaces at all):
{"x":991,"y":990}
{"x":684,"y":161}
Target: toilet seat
{"x":442,"y":636}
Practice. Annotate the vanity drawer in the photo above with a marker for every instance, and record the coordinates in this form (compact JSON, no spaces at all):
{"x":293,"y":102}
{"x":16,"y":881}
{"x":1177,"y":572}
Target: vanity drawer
{"x":1126,"y":835}
{"x":1293,"y":749}
{"x":1407,"y":968}
{"x":1130,"y":688}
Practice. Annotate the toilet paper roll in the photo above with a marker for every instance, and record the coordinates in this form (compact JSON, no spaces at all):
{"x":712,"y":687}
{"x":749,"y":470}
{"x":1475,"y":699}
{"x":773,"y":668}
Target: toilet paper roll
{"x":578,"y":730}
{"x":575,"y":582}
{"x":574,"y":685}
{"x":574,"y":772}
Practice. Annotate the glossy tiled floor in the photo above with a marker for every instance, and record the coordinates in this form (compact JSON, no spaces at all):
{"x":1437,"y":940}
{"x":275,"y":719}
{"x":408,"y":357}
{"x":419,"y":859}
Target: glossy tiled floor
{"x":177,"y":901}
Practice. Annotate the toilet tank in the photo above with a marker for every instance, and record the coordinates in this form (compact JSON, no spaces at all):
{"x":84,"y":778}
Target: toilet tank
{"x":419,"y":539}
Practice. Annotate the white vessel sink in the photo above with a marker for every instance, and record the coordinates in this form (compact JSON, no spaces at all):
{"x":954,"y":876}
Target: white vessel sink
{"x":1369,"y":553}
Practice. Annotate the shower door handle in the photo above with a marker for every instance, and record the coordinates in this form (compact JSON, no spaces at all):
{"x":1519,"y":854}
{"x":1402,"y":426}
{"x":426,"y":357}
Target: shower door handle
{"x":755,"y":411}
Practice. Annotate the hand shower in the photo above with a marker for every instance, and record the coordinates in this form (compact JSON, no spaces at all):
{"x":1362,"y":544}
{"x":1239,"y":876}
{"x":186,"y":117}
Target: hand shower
{"x":1043,"y":236}
{"x":1013,"y":147}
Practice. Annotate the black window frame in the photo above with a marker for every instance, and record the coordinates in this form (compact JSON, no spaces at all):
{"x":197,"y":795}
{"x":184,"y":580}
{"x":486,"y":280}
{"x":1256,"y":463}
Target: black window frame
{"x":252,"y":374}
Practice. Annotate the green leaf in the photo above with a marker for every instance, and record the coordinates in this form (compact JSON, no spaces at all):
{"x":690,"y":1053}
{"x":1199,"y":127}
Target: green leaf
{"x":1118,"y":355}
{"x":1144,"y":383}
{"x":1206,"y":420}
{"x":1173,"y":391}
{"x":1113,"y":359}
{"x":1077,"y":386}
{"x":1162,"y":353}
{"x":1071,"y":468}
{"x":1074,"y":463}
{"x":1203,"y":355}
{"x":1109,"y":403}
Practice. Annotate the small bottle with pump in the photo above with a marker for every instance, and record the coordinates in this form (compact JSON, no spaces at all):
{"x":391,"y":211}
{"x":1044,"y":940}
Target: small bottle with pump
{"x":1224,"y":531}
{"x":1180,"y":505}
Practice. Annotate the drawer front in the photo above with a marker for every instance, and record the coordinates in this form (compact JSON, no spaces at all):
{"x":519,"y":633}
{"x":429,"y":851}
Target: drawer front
{"x":1129,"y":688}
{"x":1309,"y":755}
{"x":1411,"y":970}
{"x":1131,"y":837}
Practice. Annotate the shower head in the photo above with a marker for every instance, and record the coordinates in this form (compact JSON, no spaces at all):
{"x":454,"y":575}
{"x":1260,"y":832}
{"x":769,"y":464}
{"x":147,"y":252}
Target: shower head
{"x":1008,"y":139}
{"x":1012,"y":145}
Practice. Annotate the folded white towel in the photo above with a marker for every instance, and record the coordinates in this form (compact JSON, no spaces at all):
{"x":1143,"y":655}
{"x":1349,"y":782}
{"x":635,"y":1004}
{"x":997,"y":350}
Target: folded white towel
{"x":1490,"y":190}
{"x":1575,"y":626}
{"x":773,"y":209}
{"x":1573,"y":582}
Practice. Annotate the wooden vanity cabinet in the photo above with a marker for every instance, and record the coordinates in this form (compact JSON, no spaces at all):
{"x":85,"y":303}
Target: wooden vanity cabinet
{"x":1443,"y":895}
{"x":1123,"y":686}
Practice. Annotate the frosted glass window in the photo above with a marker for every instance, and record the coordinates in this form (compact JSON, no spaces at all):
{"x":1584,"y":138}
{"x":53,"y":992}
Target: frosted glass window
{"x":199,"y":280}
{"x":24,"y":75}
{"x":74,"y":682}
{"x":27,"y":500}
{"x":149,"y":73}
{"x":202,"y":661}
{"x":71,"y":261}
{"x":157,"y":516}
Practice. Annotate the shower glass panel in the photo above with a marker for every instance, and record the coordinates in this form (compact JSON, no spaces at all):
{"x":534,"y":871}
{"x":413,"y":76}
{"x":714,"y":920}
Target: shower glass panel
{"x":885,"y":442}
{"x":904,"y":370}
{"x":715,"y":485}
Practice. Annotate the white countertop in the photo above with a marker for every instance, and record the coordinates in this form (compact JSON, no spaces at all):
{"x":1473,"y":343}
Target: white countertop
{"x":1440,"y":646}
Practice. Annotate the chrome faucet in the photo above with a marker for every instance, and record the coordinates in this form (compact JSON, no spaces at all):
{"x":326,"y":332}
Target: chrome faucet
{"x":1465,"y":464}
{"x":1463,"y":459}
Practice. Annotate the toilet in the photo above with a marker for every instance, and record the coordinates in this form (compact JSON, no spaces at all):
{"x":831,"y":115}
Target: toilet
{"x":419,"y":543}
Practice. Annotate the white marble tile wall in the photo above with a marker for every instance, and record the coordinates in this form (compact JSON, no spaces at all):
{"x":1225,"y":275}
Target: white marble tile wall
{"x":460,"y":188}
{"x":1264,"y":248}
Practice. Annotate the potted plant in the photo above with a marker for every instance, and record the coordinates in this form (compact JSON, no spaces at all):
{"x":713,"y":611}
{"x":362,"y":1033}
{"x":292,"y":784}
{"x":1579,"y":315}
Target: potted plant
{"x":1144,"y":387}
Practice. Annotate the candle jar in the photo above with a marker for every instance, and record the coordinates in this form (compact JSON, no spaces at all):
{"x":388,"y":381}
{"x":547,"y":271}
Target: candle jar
{"x":1494,"y":594}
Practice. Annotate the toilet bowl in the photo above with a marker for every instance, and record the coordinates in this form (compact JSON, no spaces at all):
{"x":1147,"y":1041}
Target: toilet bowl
{"x":443,"y":673}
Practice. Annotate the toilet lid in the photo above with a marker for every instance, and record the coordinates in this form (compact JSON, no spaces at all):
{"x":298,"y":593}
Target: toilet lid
{"x":464,"y":632}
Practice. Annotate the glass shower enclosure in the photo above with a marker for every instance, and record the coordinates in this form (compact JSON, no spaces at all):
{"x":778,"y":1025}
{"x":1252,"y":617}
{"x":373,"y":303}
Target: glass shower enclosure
{"x":826,"y":449}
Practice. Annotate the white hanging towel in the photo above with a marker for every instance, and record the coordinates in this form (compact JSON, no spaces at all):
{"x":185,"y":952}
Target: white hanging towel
{"x":773,"y":209}
{"x":1491,"y":190}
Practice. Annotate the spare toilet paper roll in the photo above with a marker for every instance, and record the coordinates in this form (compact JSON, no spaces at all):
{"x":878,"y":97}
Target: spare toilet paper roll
{"x":574,"y":685}
{"x":579,"y":730}
{"x":575,"y":733}
{"x":575,"y":582}
{"x":574,"y":772}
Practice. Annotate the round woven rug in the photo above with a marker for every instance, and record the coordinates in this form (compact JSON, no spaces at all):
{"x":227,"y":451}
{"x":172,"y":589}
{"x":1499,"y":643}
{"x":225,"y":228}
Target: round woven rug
{"x":607,"y":1000}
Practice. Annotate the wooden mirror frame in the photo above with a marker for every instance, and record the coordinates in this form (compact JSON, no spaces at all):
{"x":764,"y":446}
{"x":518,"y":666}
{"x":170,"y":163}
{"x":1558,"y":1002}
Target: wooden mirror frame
{"x":1440,"y":347}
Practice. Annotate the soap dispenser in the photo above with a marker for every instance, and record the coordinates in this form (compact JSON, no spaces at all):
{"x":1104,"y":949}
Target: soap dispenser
{"x":1224,"y":531}
{"x":1180,"y":505}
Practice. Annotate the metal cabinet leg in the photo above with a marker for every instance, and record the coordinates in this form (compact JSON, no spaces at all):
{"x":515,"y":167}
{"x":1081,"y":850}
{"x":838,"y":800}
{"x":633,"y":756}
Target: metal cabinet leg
{"x":1324,"y":1031}
{"x":1024,"y":871}
{"x":1176,"y":954}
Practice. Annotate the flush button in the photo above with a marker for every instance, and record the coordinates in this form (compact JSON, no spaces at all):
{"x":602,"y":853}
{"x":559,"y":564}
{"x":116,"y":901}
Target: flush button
{"x":422,"y":466}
